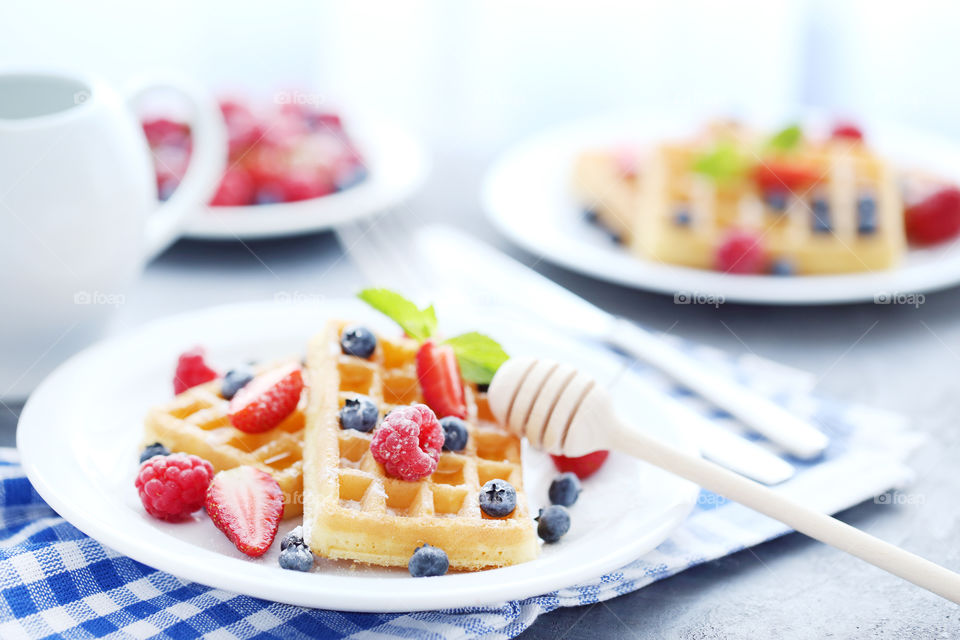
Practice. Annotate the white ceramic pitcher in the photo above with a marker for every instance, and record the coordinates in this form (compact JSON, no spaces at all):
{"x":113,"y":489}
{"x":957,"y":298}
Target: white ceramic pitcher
{"x":79,"y":215}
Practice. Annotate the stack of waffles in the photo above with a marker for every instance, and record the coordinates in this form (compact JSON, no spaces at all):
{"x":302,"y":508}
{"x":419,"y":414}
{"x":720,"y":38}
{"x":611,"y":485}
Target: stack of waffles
{"x":351,"y":508}
{"x":848,"y":219}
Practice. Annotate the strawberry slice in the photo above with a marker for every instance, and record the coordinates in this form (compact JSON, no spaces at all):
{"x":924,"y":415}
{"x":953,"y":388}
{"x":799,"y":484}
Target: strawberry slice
{"x":935,"y":218}
{"x":583,"y":466}
{"x":246,"y":503}
{"x":439,"y":376}
{"x":266,"y":400}
{"x":776,"y":176}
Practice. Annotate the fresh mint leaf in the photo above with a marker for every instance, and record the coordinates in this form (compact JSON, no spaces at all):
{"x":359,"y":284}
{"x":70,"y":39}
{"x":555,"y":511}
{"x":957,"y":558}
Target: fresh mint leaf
{"x":419,"y":324}
{"x":479,"y":356}
{"x":723,"y":163}
{"x":786,"y":139}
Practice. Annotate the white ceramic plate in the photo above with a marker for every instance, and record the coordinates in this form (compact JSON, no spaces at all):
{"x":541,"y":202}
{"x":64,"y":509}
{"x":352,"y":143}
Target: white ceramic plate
{"x":527,"y":195}
{"x":80,"y":431}
{"x":397,"y":166}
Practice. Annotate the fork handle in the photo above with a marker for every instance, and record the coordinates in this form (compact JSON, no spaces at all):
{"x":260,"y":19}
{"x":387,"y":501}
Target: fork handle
{"x":819,"y":526}
{"x":761,"y":415}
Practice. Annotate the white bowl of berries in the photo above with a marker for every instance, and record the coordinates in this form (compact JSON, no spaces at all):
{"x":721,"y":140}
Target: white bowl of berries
{"x":292,"y":168}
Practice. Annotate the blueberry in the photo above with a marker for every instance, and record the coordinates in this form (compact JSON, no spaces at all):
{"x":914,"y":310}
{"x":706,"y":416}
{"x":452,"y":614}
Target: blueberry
{"x":351,"y":179}
{"x":498,"y":498}
{"x":428,"y":561}
{"x":782,"y":267}
{"x":565,"y":489}
{"x":295,"y":537}
{"x":268,"y":195}
{"x":866,"y":215}
{"x":682,"y":218}
{"x":155,"y":449}
{"x":590,"y":216}
{"x":483,"y":388}
{"x":296,"y":557}
{"x":821,"y":216}
{"x":554,"y":522}
{"x":776,"y":200}
{"x":454,"y":433}
{"x":235,"y":380}
{"x":358,"y":341}
{"x":359,"y":413}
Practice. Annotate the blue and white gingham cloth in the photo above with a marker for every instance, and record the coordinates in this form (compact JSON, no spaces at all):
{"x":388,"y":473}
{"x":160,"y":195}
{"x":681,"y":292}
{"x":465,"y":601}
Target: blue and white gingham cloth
{"x":57,"y":582}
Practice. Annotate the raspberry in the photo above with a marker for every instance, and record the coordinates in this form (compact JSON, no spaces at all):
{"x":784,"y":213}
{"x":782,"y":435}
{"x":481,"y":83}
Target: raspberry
{"x":191,"y":370}
{"x":740,"y":252}
{"x":935,"y":218}
{"x":847,"y":131}
{"x":408,"y":442}
{"x":172,"y":487}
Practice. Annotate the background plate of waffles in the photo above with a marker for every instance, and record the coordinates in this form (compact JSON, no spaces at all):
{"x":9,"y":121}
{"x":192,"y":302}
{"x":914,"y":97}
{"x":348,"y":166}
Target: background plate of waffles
{"x":81,"y":432}
{"x":636,"y":200}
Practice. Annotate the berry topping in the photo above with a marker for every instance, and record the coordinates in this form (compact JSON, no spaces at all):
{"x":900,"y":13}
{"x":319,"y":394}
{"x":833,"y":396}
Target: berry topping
{"x":358,"y":341}
{"x":359,"y":413}
{"x":554,"y":522}
{"x":296,"y":557}
{"x":583,"y":466}
{"x":866,"y":215}
{"x":439,"y":376}
{"x":821,"y":216}
{"x":935,"y":218}
{"x":236,"y":189}
{"x":781,"y":176}
{"x":246,"y":504}
{"x":682,"y":218}
{"x":235,"y":380}
{"x":155,"y":449}
{"x":565,"y":489}
{"x":192,"y":370}
{"x":846,"y":131}
{"x":294,"y":537}
{"x":782,"y":267}
{"x":776,"y":199}
{"x":172,"y":487}
{"x":498,"y":498}
{"x":428,"y":561}
{"x":407,"y":443}
{"x":741,"y":252}
{"x":269,"y":398}
{"x":454,"y":433}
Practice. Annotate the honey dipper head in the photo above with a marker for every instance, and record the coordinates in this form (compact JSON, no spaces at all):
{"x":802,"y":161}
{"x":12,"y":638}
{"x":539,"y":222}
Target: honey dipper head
{"x":559,"y":409}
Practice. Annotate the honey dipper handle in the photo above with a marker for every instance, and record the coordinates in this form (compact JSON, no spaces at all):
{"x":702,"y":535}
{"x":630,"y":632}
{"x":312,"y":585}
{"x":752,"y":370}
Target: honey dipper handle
{"x":819,"y":526}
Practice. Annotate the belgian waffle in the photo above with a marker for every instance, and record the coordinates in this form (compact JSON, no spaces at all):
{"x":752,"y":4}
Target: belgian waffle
{"x":852,"y":220}
{"x":353,"y":510}
{"x":196,"y":422}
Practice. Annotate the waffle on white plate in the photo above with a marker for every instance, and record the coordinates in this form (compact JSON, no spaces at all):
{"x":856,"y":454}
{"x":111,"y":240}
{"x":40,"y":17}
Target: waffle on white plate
{"x":847,"y":217}
{"x":196,"y":421}
{"x":354,"y":510}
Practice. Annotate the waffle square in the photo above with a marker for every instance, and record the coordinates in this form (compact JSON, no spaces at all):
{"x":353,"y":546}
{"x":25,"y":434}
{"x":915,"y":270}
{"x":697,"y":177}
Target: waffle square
{"x":196,"y":422}
{"x":353,"y":510}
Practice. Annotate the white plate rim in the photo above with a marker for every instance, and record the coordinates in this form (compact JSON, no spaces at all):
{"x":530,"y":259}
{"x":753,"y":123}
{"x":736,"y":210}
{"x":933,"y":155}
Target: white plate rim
{"x":340,"y":593}
{"x":397,"y":163}
{"x":938,"y":268}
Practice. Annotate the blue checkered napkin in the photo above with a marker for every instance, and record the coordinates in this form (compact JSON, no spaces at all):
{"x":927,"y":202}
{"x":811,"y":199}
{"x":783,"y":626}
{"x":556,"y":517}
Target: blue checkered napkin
{"x":57,"y":582}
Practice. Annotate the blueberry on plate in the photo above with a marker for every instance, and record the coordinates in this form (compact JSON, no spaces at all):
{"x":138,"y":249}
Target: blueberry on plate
{"x":296,"y":557}
{"x":498,"y":498}
{"x":155,"y":449}
{"x":553,"y":523}
{"x":359,"y":413}
{"x":454,"y":433}
{"x":235,"y":380}
{"x":358,"y":341}
{"x":782,"y":267}
{"x":565,"y":489}
{"x":428,"y":561}
{"x":294,"y":538}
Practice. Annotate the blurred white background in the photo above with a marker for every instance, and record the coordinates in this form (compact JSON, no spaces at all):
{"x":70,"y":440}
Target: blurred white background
{"x":474,"y":76}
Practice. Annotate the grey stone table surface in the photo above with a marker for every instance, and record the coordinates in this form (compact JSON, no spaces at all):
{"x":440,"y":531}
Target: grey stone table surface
{"x":900,"y":358}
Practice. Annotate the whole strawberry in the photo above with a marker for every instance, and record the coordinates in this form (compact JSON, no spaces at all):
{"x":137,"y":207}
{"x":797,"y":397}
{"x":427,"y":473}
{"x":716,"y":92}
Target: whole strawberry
{"x":174,"y":486}
{"x":246,"y":503}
